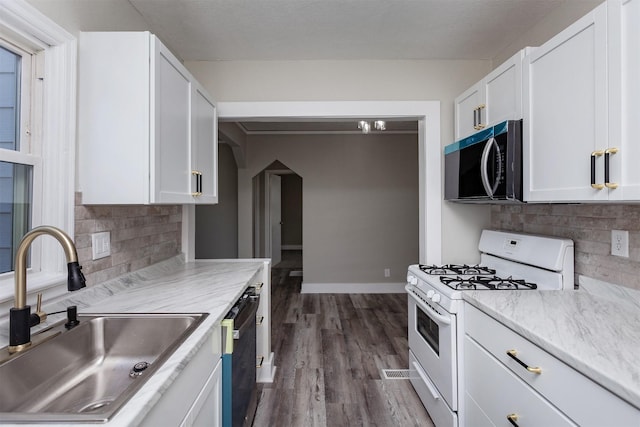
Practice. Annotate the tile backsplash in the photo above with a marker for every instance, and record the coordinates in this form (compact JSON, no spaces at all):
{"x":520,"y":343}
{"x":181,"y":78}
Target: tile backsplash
{"x":589,"y":226}
{"x":140,"y":236}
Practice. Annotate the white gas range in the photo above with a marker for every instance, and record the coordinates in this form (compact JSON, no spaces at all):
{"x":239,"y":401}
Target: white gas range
{"x":508,"y":261}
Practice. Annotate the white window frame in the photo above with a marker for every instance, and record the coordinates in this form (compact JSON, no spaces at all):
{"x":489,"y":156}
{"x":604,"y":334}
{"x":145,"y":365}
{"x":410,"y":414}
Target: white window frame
{"x":53,"y":137}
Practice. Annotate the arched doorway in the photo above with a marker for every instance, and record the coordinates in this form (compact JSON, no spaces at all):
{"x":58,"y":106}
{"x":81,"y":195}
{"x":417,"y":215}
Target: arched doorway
{"x":277,"y":216}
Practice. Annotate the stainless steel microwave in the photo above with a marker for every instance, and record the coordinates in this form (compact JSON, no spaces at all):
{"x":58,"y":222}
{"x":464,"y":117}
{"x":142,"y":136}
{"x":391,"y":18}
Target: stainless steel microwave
{"x":485,"y":167}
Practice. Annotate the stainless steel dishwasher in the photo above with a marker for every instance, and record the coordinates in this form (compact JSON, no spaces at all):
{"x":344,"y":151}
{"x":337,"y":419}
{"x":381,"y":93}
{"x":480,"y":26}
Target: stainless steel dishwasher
{"x":239,"y":393}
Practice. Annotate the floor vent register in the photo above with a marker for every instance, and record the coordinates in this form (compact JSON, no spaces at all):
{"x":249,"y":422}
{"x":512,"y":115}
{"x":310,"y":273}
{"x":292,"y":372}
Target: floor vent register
{"x":395,"y":374}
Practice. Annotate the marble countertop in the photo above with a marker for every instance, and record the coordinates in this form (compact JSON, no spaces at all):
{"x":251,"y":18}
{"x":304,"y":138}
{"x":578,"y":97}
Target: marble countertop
{"x":203,"y":286}
{"x":596,"y":331}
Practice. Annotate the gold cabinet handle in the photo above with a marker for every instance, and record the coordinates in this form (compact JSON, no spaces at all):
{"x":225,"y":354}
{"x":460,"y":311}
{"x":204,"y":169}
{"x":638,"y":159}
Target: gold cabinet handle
{"x":595,"y":154}
{"x":198,"y":176}
{"x":607,"y":154}
{"x":514,"y":355}
{"x":513,"y":418}
{"x":480,"y":108}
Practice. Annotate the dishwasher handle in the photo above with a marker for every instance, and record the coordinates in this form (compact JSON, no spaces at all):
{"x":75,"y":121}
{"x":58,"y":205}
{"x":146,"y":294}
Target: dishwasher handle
{"x":246,"y":318}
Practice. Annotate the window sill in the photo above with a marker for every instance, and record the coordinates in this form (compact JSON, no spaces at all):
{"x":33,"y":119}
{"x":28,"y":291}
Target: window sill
{"x":52,"y":285}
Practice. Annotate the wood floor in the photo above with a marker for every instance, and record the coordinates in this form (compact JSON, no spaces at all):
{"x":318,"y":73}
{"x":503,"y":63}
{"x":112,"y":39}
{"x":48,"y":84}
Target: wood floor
{"x":329,"y":352}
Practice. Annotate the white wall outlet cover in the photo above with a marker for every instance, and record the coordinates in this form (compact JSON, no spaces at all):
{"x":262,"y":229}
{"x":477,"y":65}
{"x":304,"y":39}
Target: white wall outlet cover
{"x":620,"y":243}
{"x":101,"y":245}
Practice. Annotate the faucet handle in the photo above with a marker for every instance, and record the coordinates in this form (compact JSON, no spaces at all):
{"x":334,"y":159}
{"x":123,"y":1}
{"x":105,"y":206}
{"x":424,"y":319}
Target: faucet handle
{"x":39,"y":316}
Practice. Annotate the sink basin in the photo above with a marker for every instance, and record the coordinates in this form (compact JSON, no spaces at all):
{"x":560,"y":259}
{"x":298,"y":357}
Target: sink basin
{"x":87,"y":373}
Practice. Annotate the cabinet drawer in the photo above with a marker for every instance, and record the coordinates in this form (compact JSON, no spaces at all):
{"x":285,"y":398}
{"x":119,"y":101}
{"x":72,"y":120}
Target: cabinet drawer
{"x":569,"y":390}
{"x":497,"y":393}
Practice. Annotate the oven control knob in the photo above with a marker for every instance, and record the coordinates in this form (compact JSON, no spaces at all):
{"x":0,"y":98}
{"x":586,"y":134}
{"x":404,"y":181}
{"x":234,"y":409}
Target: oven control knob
{"x":435,"y":298}
{"x":430,"y":293}
{"x":413,"y":280}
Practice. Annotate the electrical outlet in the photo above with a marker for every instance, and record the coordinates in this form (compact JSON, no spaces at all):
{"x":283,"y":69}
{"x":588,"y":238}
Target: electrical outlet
{"x":101,"y":245}
{"x":620,"y":243}
{"x":387,"y":272}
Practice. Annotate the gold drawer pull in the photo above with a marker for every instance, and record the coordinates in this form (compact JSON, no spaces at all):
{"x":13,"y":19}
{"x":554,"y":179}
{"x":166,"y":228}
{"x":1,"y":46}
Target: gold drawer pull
{"x":259,"y":361}
{"x":514,"y":355}
{"x":513,"y":418}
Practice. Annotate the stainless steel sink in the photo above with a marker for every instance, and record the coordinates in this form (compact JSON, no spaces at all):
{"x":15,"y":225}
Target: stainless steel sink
{"x":87,"y":373}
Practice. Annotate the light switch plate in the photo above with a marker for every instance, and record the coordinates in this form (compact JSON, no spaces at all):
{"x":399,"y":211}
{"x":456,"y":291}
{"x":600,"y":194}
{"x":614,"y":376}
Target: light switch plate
{"x":101,"y":245}
{"x":620,"y":243}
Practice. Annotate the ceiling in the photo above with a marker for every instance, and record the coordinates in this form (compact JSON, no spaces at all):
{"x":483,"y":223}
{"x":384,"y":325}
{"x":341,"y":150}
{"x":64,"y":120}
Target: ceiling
{"x":213,"y":30}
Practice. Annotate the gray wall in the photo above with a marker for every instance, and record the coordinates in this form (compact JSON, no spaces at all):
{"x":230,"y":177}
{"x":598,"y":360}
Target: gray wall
{"x":217,"y":225}
{"x":360,"y":201}
{"x":359,"y":81}
{"x":291,"y":210}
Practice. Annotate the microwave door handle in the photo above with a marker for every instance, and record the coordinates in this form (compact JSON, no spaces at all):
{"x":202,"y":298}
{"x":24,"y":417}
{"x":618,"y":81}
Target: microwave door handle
{"x":499,"y":174}
{"x":484,"y":165}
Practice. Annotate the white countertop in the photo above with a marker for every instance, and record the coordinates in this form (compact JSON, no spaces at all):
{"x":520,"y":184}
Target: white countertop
{"x":203,"y":286}
{"x":597,"y":333}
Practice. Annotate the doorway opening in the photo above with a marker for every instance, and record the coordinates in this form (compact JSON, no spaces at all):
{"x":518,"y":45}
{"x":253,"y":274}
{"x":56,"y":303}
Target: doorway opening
{"x":277,"y":217}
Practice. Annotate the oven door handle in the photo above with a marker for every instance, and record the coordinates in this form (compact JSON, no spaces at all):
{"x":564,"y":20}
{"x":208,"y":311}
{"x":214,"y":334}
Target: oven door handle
{"x":431,"y":312}
{"x":426,"y":380}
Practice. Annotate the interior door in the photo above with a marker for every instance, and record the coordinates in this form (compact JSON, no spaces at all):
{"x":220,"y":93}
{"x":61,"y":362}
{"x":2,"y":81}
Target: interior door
{"x":275,"y":217}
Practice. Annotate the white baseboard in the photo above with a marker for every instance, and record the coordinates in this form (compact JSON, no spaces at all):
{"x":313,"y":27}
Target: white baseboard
{"x":353,"y":288}
{"x":291,"y":247}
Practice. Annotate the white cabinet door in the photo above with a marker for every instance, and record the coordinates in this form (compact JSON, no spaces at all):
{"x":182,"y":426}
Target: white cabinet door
{"x":171,"y":99}
{"x":204,"y":147}
{"x":207,"y":408}
{"x":565,"y":111}
{"x":503,"y":92}
{"x":467,"y":108}
{"x":624,"y":98}
{"x":494,"y":99}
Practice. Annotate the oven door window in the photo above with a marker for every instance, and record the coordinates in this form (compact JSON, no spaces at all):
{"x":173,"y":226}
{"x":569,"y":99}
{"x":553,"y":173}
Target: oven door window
{"x":428,"y":329}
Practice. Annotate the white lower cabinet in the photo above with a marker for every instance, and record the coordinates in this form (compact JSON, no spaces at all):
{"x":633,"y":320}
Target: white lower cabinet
{"x":498,"y":395}
{"x":529,"y":384}
{"x":195,"y":396}
{"x":207,"y":409}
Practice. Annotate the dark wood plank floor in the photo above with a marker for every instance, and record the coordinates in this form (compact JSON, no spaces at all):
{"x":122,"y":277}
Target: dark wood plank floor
{"x":329,"y":350}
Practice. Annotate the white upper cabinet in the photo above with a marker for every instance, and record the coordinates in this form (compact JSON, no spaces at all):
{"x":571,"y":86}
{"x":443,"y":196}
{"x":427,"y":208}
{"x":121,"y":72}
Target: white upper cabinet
{"x":204,"y":154}
{"x":146,"y":130}
{"x":494,"y":99}
{"x":624,"y":98}
{"x":581,"y":110}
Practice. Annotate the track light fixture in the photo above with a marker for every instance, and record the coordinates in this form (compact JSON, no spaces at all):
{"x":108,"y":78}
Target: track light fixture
{"x":365,"y":126}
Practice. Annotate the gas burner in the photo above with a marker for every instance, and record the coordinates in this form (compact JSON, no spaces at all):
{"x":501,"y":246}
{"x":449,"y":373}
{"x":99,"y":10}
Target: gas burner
{"x":464,"y":269}
{"x":486,"y":282}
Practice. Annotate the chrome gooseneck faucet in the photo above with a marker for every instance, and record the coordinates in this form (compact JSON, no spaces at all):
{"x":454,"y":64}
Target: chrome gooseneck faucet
{"x":20,"y":318}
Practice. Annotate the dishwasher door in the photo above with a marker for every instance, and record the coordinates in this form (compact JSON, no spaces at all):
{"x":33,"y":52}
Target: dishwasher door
{"x":239,"y":393}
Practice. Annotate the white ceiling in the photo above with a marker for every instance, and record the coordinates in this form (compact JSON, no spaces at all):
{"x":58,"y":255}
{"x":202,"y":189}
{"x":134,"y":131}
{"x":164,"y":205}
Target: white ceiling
{"x":316,"y":29}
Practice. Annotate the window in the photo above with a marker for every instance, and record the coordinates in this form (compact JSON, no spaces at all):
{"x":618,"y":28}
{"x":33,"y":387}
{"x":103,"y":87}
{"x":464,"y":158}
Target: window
{"x":37,"y":145}
{"x":16,"y":163}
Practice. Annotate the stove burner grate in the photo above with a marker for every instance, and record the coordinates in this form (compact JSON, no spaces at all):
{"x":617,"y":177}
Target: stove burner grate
{"x":487,"y":282}
{"x":441,"y":270}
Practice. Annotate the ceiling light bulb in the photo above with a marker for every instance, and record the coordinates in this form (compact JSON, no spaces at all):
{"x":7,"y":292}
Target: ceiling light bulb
{"x":365,"y":126}
{"x":380,"y":125}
